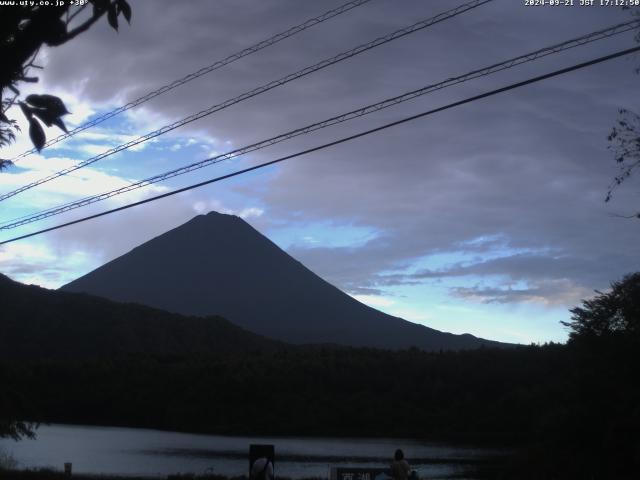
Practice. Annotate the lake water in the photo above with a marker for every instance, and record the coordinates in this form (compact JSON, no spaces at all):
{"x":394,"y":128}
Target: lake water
{"x":140,"y":452}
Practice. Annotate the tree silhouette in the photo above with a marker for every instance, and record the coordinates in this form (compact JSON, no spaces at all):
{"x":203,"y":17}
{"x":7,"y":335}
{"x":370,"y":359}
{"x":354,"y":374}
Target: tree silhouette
{"x":16,"y":429}
{"x":624,"y":141}
{"x":25,"y":29}
{"x":616,"y":313}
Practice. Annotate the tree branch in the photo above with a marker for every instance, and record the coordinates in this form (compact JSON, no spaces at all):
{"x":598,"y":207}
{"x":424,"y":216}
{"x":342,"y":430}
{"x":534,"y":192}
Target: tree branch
{"x":81,"y":28}
{"x":74,"y":14}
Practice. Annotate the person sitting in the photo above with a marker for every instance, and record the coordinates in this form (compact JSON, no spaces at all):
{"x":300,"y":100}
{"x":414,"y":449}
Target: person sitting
{"x":400,"y":467}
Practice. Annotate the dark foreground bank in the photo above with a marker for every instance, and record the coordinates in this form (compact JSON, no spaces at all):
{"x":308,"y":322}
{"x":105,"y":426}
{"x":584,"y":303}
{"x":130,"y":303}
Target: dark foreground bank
{"x":573,"y":410}
{"x":46,"y":474}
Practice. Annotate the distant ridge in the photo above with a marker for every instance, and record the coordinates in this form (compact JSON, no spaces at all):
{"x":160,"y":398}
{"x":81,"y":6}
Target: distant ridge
{"x":41,"y":324}
{"x":218,"y":264}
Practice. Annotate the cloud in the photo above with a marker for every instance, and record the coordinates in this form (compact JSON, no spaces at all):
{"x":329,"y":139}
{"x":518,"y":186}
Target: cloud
{"x":528,"y":266}
{"x":411,"y":314}
{"x":250,"y":212}
{"x":520,"y":176}
{"x":374,"y":300}
{"x":81,"y":183}
{"x":548,"y":293}
{"x":37,"y":264}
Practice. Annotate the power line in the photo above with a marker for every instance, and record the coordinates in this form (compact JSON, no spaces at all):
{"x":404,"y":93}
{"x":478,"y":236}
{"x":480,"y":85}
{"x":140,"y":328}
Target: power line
{"x":259,"y":90}
{"x":203,"y":71}
{"x":585,"y":39}
{"x":336,"y":142}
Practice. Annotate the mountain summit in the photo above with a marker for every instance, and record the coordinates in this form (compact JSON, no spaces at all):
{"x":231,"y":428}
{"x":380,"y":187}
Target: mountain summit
{"x":218,"y":264}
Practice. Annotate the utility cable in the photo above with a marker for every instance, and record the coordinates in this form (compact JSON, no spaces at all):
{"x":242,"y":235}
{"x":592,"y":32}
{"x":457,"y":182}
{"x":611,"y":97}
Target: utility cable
{"x":257,"y":91}
{"x":336,"y":142}
{"x":203,"y":71}
{"x":591,"y":37}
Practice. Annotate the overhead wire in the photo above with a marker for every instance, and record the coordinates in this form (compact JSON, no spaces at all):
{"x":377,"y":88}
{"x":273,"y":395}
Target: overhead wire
{"x":335,"y":142}
{"x":510,"y":63}
{"x":199,"y":73}
{"x":259,"y":90}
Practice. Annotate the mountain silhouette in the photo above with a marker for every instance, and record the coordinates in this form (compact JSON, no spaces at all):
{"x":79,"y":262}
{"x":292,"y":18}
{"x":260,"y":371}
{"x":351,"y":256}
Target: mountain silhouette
{"x":41,"y":324}
{"x":218,"y":264}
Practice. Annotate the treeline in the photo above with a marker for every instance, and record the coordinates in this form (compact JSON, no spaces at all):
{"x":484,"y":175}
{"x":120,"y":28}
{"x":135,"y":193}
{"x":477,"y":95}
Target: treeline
{"x":36,"y":323}
{"x":573,"y":410}
{"x":574,"y":407}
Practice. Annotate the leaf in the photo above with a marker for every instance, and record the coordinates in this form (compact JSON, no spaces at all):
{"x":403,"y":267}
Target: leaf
{"x":45,"y":116}
{"x":3,"y":118}
{"x":49,"y":118}
{"x":26,"y":109}
{"x":124,"y":7}
{"x":50,"y":103}
{"x":4,"y":163}
{"x":36,"y":133}
{"x":112,"y":17}
{"x":60,"y":124}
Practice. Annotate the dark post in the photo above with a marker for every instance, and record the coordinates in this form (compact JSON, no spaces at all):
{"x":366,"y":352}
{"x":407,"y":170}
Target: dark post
{"x":67,"y":469}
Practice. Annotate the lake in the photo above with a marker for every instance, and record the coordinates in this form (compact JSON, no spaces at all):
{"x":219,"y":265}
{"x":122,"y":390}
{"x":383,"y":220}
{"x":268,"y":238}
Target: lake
{"x":142,"y":452}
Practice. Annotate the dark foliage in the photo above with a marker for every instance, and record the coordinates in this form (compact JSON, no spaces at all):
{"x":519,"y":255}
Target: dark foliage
{"x":49,"y":474}
{"x":616,"y":313}
{"x":312,"y":391}
{"x":24,"y":30}
{"x":624,"y":142}
{"x":36,"y":323}
{"x":16,"y":429}
{"x":571,"y":408}
{"x":624,"y":139}
{"x":48,"y":325}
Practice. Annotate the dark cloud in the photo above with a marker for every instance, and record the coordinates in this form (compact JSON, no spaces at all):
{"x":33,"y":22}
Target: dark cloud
{"x":529,"y":167}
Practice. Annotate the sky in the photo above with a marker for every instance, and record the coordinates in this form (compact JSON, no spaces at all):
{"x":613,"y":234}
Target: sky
{"x":488,"y":218}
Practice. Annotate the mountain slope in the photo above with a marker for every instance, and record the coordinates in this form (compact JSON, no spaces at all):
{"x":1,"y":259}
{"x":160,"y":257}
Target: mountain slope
{"x":218,"y":264}
{"x":36,"y":323}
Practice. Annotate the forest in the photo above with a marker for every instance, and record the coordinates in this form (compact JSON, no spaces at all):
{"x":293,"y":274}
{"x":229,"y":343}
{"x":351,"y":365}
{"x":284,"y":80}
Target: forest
{"x":579,"y":403}
{"x":569,"y":409}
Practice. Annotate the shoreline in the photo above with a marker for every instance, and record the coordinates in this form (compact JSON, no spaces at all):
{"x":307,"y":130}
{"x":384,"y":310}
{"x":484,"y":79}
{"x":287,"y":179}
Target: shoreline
{"x":480,"y":440}
{"x":52,"y":474}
